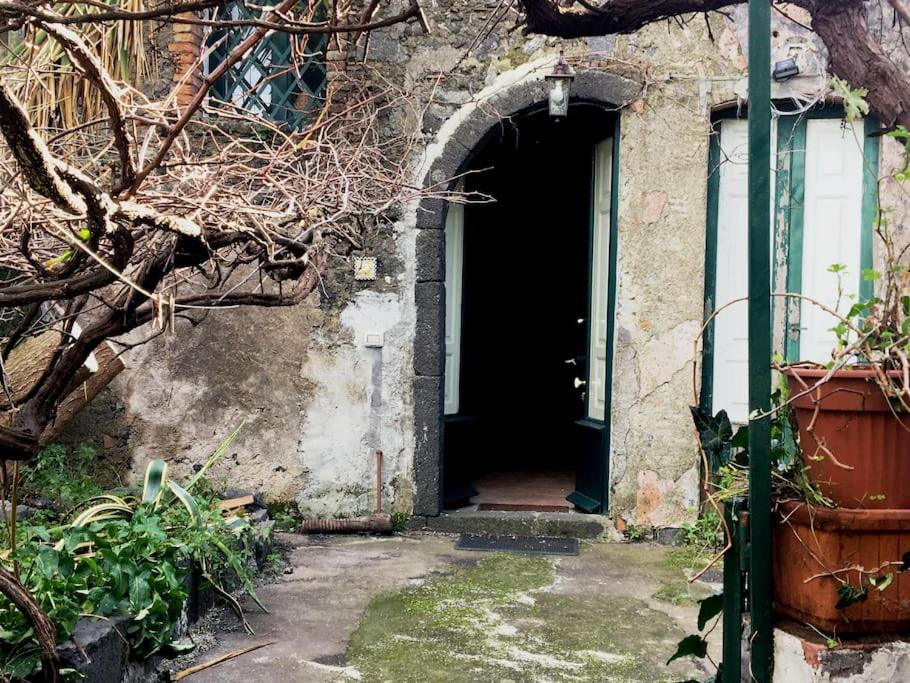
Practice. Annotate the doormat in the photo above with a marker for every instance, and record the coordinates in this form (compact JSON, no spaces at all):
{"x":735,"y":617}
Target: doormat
{"x":518,"y":507}
{"x":528,"y":545}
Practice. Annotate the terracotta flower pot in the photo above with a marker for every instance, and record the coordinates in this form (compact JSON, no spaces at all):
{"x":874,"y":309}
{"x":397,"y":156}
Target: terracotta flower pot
{"x":855,"y":422}
{"x":810,"y":542}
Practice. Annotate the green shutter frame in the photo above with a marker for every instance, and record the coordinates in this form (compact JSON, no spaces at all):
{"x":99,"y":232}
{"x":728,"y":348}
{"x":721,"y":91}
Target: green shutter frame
{"x":791,"y":198}
{"x":871,"y":155}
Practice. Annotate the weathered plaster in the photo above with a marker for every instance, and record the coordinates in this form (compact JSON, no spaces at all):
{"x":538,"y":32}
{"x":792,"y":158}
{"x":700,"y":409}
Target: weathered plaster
{"x":797,"y":660}
{"x":317,"y":402}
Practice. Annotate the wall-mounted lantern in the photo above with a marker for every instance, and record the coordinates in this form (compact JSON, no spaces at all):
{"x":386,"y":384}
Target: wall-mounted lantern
{"x":560,"y":81}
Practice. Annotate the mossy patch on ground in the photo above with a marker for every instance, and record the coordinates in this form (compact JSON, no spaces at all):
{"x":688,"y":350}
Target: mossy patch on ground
{"x":503,"y":620}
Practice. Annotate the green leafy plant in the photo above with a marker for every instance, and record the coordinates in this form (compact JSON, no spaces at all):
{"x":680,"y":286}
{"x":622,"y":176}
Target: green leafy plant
{"x":63,"y":475}
{"x":125,"y":555}
{"x":639,"y":532}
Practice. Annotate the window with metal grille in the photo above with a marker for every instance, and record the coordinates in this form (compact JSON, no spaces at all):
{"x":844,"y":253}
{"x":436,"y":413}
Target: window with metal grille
{"x":283,"y":78}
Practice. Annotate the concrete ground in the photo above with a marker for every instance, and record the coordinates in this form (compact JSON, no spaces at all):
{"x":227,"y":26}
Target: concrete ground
{"x":412,"y":608}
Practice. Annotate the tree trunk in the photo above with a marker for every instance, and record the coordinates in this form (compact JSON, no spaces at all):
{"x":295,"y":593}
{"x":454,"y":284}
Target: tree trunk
{"x":45,"y":631}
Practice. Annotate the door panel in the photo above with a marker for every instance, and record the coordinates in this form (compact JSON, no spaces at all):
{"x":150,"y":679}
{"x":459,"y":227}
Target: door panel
{"x":731,"y":327}
{"x":829,"y":228}
{"x":832,"y":229}
{"x":454,"y":276}
{"x":590,"y":440}
{"x":600,"y":281}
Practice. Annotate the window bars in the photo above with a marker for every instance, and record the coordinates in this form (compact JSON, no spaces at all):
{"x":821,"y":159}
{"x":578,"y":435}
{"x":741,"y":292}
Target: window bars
{"x":283,"y":78}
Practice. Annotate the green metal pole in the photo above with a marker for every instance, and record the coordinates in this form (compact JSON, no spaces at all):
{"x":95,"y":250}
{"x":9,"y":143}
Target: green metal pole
{"x":760,"y":337}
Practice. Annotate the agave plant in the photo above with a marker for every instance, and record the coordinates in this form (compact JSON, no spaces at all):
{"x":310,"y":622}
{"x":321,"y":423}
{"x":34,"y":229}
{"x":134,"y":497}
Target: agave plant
{"x":158,"y":491}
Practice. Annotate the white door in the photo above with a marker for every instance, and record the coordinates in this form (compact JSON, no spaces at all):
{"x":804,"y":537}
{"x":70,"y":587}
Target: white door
{"x":731,"y":326}
{"x":454,"y":268}
{"x":600,"y":280}
{"x":832,"y":230}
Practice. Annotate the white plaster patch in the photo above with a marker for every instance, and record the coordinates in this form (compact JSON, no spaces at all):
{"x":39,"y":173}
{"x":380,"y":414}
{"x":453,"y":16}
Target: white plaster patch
{"x":529,"y":72}
{"x":357,"y":409}
{"x":547,"y":661}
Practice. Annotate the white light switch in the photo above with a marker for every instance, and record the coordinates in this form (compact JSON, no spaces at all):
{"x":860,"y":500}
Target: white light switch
{"x":374,"y":340}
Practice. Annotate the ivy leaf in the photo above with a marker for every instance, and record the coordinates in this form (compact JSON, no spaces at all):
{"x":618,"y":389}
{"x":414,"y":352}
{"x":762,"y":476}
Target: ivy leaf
{"x":690,"y":646}
{"x":48,"y":561}
{"x":715,"y":434}
{"x":855,"y":105}
{"x":786,"y":451}
{"x":741,"y":438}
{"x":709,"y":608}
{"x":851,"y":595}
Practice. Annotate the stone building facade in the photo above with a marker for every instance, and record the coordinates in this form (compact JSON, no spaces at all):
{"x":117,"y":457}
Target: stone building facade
{"x":362,"y":365}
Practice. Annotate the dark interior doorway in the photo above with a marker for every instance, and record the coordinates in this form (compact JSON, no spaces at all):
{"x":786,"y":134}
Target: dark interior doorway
{"x":525,"y":297}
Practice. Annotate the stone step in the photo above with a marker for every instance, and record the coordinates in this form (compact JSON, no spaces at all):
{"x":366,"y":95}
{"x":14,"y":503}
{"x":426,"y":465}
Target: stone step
{"x":496,"y":522}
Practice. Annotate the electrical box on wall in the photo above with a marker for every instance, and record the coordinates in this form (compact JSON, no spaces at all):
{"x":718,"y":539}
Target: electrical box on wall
{"x":373,"y":340}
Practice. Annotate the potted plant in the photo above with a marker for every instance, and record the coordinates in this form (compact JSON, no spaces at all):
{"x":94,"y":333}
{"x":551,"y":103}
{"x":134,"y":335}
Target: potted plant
{"x":839,"y":565}
{"x":841,"y":458}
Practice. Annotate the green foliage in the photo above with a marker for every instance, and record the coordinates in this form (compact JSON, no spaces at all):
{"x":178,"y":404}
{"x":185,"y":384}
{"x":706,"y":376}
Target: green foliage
{"x":120,"y":555}
{"x":63,"y":475}
{"x":715,"y":434}
{"x":855,"y":105}
{"x":903,"y":135}
{"x":639,"y":532}
{"x":706,"y":532}
{"x":695,"y":645}
{"x":399,"y":519}
{"x":690,"y":646}
{"x":709,"y":608}
{"x":730,"y":478}
{"x":285,"y":514}
{"x":135,"y":566}
{"x":849,"y":594}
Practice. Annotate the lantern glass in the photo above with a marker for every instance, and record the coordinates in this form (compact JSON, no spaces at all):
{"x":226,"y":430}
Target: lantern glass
{"x":559,"y":95}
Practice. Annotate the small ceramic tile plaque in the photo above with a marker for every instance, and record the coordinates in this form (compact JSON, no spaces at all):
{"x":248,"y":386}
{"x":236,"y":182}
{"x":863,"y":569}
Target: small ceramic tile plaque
{"x":364,"y":268}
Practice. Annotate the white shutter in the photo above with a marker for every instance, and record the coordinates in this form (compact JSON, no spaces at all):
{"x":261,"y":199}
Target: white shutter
{"x":454,"y":269}
{"x":731,"y":327}
{"x":600,"y":279}
{"x":832,"y":231}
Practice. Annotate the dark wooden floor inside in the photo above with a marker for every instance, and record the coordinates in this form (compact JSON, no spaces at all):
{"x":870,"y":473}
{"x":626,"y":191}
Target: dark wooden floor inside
{"x":545,"y":490}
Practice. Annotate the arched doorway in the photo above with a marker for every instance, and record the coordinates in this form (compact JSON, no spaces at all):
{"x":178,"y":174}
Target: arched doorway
{"x":526,"y":317}
{"x":533,"y":365}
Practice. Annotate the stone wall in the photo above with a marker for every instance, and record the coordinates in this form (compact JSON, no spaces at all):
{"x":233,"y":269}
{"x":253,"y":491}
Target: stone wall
{"x":317,"y":401}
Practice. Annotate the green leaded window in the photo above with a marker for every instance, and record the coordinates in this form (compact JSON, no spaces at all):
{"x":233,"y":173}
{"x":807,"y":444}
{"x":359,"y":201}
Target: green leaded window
{"x":283,"y":78}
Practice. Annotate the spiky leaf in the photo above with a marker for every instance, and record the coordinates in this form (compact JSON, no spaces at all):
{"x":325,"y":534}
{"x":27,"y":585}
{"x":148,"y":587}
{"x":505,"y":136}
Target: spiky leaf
{"x":155,"y":477}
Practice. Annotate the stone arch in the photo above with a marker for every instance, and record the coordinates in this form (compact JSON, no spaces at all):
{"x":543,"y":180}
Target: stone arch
{"x":457,"y":143}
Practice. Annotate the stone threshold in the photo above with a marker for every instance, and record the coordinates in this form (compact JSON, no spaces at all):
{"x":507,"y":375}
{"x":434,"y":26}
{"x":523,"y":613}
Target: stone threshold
{"x":519,"y":523}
